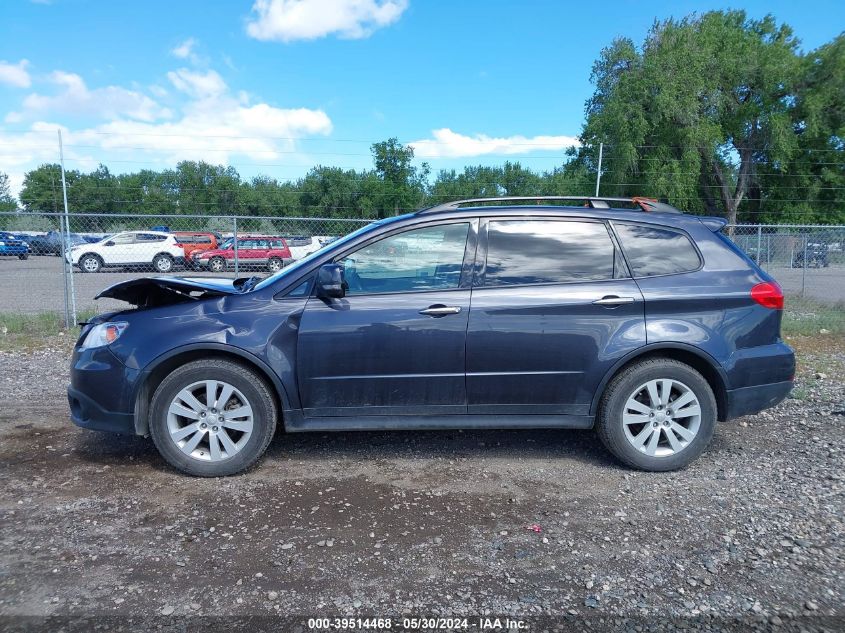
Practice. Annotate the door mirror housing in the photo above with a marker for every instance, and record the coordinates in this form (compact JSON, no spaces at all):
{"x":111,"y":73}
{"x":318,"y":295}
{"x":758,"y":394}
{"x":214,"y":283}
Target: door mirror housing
{"x":331,"y":283}
{"x":109,"y":243}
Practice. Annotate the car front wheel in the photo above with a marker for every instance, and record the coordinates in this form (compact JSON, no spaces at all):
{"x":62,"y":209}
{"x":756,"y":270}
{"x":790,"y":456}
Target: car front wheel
{"x":275,"y":264}
{"x":212,"y":418}
{"x":657,"y":415}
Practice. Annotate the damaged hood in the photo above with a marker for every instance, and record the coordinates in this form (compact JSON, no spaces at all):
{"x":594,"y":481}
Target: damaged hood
{"x":157,"y":291}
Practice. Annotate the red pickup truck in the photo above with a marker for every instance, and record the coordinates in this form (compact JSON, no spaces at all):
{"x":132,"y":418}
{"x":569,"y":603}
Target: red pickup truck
{"x":264,"y":251}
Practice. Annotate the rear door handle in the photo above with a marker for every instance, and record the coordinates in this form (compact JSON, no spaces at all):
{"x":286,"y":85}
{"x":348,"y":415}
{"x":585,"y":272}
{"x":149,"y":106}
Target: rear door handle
{"x":439,"y":311}
{"x":613,"y":300}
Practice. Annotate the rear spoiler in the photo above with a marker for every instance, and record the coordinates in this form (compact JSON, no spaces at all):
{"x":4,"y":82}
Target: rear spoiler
{"x":713,"y":223}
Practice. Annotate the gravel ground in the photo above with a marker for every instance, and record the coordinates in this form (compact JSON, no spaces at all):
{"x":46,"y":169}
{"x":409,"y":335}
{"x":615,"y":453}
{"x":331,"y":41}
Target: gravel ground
{"x":527,"y":524}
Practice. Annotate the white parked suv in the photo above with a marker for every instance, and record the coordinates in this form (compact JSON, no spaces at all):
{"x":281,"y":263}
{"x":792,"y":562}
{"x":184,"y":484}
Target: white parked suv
{"x":154,"y":249}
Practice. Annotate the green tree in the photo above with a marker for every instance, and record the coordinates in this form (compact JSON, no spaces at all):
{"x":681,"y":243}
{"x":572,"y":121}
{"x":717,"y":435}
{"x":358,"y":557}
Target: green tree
{"x":7,"y":200}
{"x":810,"y":185}
{"x":403,"y":184}
{"x":693,"y":115}
{"x":42,"y":188}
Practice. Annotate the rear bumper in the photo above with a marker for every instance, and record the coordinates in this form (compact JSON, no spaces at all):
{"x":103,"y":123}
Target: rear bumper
{"x":749,"y":400}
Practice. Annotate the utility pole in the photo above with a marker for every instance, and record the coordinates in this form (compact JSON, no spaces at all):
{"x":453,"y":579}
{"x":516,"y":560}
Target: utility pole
{"x":598,"y":173}
{"x":70,"y":317}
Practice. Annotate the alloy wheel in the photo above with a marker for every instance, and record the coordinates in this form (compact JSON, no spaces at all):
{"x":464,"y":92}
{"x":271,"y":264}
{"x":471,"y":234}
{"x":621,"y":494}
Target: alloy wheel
{"x":661,"y":417}
{"x":210,"y":420}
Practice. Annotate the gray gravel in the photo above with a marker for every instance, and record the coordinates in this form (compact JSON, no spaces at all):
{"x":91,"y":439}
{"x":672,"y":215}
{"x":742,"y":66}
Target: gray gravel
{"x":520,"y":524}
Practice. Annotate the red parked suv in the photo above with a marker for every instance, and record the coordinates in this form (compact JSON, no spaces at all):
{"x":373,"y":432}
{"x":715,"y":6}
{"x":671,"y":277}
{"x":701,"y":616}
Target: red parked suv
{"x":253,"y":250}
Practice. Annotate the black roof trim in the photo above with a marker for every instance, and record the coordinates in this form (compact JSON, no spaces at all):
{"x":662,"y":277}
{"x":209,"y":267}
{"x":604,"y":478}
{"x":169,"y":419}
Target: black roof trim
{"x":593,"y":202}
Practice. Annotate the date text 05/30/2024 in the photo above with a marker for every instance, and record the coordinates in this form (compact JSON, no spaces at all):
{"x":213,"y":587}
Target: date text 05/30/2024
{"x":417,"y":624}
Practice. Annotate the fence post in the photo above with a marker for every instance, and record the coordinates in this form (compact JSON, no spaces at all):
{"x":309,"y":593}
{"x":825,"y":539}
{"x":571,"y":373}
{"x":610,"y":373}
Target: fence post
{"x":235,"y":238}
{"x":598,"y":173}
{"x":64,"y":251}
{"x":759,"y":241}
{"x":804,"y":265}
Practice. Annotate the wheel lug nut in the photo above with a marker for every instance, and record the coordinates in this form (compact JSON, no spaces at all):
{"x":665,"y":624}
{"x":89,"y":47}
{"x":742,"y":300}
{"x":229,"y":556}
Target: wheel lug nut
{"x":214,"y":428}
{"x":203,"y":425}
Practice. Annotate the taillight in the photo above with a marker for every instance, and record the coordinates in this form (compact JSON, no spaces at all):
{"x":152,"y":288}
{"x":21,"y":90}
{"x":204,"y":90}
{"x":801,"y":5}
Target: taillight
{"x":768,"y":294}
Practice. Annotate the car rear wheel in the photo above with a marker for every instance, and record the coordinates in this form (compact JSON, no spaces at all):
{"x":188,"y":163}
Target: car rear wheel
{"x":163,"y":263}
{"x":90,"y":264}
{"x":23,"y":256}
{"x":217,"y":264}
{"x":212,"y":418}
{"x":275,"y":265}
{"x":657,"y":415}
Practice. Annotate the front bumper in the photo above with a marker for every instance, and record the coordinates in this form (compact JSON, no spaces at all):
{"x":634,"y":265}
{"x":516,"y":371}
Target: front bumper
{"x":750,"y":400}
{"x":100,"y":393}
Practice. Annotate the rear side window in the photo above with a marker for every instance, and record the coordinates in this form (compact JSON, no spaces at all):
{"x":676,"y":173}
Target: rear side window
{"x":653,"y":251}
{"x":150,"y":237}
{"x":542,"y":251}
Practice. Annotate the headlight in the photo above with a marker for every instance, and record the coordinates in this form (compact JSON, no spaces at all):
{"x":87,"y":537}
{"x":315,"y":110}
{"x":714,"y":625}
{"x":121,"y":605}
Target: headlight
{"x":104,"y":334}
{"x":25,"y":244}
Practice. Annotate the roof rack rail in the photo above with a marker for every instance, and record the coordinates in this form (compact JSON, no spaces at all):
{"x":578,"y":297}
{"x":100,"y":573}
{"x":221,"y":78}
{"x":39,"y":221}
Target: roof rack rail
{"x":593,"y":202}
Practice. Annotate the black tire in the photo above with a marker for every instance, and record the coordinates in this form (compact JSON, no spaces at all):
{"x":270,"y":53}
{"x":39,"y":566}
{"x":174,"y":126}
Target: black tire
{"x":254,"y":388}
{"x":217,"y":264}
{"x":90,"y":263}
{"x":274,"y":264}
{"x":23,"y":256}
{"x":610,"y":427}
{"x":163,"y":263}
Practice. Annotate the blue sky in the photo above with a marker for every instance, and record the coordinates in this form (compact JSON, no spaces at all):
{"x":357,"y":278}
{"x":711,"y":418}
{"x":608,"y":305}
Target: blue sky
{"x":276,"y":86}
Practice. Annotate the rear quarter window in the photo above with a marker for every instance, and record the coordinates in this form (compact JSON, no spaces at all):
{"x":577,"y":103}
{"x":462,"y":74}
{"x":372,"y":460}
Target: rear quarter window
{"x":652,"y":251}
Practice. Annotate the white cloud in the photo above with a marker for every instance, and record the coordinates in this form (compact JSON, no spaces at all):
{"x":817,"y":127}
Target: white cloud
{"x":290,"y":20}
{"x":206,"y":121}
{"x":197,"y":84}
{"x":15,"y":74}
{"x":449,"y":144}
{"x":75,"y":98}
{"x":184,"y":50}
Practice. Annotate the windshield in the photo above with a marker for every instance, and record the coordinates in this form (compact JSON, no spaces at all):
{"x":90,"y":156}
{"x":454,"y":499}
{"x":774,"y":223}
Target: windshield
{"x":293,"y":268}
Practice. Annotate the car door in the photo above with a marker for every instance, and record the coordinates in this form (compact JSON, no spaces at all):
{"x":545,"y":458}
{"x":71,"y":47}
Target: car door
{"x":395,"y":344}
{"x":553,"y":308}
{"x":248,"y":251}
{"x":146,"y":247}
{"x":119,"y":249}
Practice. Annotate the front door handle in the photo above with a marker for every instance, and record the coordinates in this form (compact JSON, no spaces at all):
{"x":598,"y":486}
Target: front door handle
{"x":440,"y":310}
{"x":613,"y":300}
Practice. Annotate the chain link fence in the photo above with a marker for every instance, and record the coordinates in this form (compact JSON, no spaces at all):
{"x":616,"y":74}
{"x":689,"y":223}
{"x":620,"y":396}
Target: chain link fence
{"x":62,"y":267}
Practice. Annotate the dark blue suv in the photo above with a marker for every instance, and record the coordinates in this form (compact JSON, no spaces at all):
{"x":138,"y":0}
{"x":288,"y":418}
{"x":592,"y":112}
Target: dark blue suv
{"x":644,"y":322}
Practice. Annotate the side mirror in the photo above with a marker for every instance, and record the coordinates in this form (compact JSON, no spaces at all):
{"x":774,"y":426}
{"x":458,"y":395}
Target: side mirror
{"x":109,"y":243}
{"x":330,"y":282}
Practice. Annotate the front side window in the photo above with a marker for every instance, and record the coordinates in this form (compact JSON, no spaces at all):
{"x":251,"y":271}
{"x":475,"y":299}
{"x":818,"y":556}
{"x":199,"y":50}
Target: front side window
{"x":548,"y":251}
{"x":429,"y":258}
{"x":654,"y":251}
{"x":123,"y":238}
